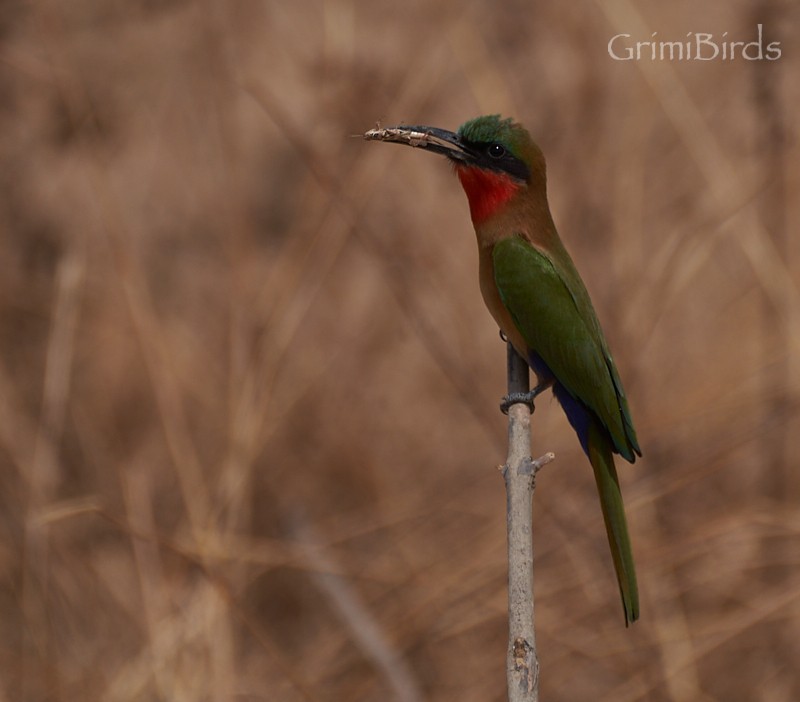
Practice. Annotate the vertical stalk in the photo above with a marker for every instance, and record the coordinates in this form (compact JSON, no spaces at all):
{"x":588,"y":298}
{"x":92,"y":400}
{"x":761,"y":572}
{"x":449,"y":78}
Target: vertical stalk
{"x":522,"y":664}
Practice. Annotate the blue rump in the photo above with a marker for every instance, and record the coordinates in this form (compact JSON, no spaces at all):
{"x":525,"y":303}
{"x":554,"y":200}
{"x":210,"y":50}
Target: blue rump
{"x":577,"y":412}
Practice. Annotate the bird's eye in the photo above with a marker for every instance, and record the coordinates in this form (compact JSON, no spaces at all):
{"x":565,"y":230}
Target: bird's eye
{"x":496,"y":151}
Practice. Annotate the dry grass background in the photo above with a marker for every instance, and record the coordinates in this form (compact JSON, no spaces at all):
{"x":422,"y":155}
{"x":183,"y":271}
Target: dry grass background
{"x":248,"y":389}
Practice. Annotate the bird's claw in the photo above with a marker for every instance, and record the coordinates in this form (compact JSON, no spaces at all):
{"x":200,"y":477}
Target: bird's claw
{"x":525,"y":398}
{"x":514,"y":398}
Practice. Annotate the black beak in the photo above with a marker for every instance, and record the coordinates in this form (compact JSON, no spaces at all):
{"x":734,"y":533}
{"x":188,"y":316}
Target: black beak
{"x":439,"y":141}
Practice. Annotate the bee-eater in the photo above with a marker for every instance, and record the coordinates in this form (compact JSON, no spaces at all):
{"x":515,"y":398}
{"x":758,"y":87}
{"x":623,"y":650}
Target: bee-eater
{"x":536,"y":296}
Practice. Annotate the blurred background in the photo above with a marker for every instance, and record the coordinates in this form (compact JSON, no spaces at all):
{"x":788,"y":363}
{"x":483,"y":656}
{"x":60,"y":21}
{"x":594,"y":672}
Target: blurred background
{"x":249,"y":433}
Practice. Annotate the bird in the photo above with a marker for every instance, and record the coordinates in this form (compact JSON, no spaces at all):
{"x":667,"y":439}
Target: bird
{"x":539,"y":301}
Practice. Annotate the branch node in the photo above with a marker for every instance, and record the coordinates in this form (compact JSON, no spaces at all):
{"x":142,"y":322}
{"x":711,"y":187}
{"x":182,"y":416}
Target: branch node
{"x":542,"y":461}
{"x":525,"y":664}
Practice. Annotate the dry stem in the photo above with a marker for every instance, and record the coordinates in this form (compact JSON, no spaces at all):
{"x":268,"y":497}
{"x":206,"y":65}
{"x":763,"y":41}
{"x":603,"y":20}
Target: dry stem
{"x":522,"y":664}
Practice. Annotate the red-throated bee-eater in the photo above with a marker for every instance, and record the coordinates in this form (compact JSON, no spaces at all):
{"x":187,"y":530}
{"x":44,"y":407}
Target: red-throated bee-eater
{"x":537,"y":297}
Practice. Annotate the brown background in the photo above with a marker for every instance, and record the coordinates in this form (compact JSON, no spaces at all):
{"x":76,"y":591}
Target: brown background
{"x":248,"y":389}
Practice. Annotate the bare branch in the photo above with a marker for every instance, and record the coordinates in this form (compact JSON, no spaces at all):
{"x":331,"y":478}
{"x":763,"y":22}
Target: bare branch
{"x":522,"y":664}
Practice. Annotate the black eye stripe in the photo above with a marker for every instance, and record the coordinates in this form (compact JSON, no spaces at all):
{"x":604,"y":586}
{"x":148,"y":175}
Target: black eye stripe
{"x":503,"y":161}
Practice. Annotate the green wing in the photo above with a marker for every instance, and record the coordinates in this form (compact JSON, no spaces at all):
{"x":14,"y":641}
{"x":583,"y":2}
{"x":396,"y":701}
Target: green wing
{"x":552,"y":310}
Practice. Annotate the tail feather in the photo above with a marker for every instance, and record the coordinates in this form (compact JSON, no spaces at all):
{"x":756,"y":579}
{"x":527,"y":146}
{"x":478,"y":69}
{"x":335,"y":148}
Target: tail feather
{"x":597,"y":443}
{"x":599,"y":450}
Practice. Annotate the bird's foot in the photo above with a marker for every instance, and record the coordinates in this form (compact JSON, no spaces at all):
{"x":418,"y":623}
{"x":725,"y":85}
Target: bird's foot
{"x":525,"y":398}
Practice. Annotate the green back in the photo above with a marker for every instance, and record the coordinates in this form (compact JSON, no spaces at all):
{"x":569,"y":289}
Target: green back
{"x":552,"y":310}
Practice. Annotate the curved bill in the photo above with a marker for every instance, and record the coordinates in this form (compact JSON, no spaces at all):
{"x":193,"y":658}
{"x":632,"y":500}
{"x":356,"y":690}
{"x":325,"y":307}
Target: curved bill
{"x":439,"y":141}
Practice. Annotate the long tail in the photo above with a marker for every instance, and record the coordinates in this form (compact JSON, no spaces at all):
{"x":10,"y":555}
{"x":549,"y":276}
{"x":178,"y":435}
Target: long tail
{"x":597,"y":444}
{"x":598,"y":448}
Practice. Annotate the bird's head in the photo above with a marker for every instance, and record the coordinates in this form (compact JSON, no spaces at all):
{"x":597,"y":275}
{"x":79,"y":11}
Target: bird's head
{"x":495,"y":159}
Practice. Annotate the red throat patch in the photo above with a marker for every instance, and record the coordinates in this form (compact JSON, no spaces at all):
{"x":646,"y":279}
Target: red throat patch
{"x":487,"y":191}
